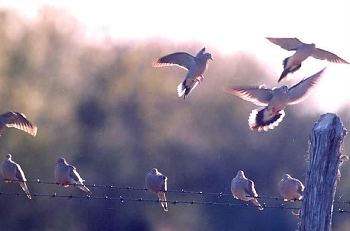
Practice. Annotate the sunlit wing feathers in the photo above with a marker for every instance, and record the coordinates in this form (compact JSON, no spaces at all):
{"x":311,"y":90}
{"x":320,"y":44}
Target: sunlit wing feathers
{"x":75,"y":175}
{"x":164,"y":187}
{"x":181,"y":59}
{"x":19,"y":173}
{"x":286,"y":43}
{"x":19,"y":121}
{"x":257,"y":95}
{"x":300,"y":91}
{"x":323,"y":54}
{"x":250,"y":190}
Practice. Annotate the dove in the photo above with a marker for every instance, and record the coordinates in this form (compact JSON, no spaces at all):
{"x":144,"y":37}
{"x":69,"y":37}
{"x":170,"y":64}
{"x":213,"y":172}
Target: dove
{"x":11,"y":171}
{"x":242,"y":188}
{"x":195,"y":65}
{"x":156,"y":182}
{"x":17,"y":120}
{"x":302,"y":52}
{"x":274,"y":101}
{"x":290,"y":188}
{"x":66,"y":175}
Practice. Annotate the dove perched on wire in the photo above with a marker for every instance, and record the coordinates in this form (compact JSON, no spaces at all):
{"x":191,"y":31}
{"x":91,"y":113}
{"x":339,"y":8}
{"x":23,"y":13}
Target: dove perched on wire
{"x":290,"y":188}
{"x":274,"y":101}
{"x":302,"y":52}
{"x":11,"y":171}
{"x":66,"y":175}
{"x":156,"y":182}
{"x":243,"y":188}
{"x":195,"y":65}
{"x":17,"y":120}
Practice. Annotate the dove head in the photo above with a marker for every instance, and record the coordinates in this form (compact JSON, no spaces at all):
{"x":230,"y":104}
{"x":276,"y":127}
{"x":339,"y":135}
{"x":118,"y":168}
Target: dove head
{"x":240,"y":174}
{"x":203,"y":55}
{"x":286,"y":176}
{"x":154,"y":171}
{"x":8,"y":156}
{"x":61,"y":160}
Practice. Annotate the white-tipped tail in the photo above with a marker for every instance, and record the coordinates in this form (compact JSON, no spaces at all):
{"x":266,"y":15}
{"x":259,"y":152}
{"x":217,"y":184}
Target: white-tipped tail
{"x":25,"y":189}
{"x":257,"y":204}
{"x":162,"y":198}
{"x":187,"y":86}
{"x":262,"y":120}
{"x":181,"y":89}
{"x":84,"y":188}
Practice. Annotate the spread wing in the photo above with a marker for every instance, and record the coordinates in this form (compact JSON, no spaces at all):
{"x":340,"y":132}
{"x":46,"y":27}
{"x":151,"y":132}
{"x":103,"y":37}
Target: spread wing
{"x":257,"y":95}
{"x":323,"y":54}
{"x":19,"y":121}
{"x":181,"y":59}
{"x":302,"y":90}
{"x":286,"y":43}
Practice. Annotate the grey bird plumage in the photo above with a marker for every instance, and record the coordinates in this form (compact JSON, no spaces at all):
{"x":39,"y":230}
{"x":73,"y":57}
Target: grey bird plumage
{"x":17,"y":120}
{"x":244,"y":189}
{"x":157,"y":183}
{"x":195,"y":65}
{"x":66,"y":175}
{"x":274,"y":101}
{"x":302,"y":52}
{"x":11,"y":171}
{"x":290,"y":188}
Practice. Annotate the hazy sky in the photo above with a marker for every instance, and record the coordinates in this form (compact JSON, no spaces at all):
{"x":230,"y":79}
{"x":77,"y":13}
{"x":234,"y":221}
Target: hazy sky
{"x":226,"y":26}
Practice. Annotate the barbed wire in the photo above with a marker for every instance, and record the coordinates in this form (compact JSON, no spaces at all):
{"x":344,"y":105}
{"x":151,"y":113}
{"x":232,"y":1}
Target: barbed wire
{"x":175,"y":191}
{"x":147,"y":200}
{"x":179,"y":191}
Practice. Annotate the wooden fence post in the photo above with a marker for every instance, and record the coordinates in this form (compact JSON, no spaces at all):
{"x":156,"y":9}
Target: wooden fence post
{"x":321,"y":179}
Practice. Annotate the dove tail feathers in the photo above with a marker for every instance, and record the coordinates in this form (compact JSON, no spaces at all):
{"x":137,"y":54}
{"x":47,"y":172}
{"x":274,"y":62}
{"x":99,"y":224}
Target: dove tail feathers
{"x":181,"y":89}
{"x":25,"y":189}
{"x":288,"y":69}
{"x":256,"y":203}
{"x":84,"y":188}
{"x":185,"y":87}
{"x":162,"y":198}
{"x":262,"y":120}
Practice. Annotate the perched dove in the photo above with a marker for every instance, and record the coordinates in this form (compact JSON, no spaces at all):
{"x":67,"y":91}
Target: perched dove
{"x":274,"y":101}
{"x":11,"y":171}
{"x":196,"y":67}
{"x":242,"y":188}
{"x":156,"y":182}
{"x":66,"y":174}
{"x":290,"y":188}
{"x":17,"y":120}
{"x":302,"y":52}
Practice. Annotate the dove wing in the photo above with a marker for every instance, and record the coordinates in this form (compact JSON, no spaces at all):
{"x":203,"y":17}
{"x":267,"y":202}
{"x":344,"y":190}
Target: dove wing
{"x":257,"y":95}
{"x":181,"y":59}
{"x":302,"y":90}
{"x":326,"y":55}
{"x":286,"y":43}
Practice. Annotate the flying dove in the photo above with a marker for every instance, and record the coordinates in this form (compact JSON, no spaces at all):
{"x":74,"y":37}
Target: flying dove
{"x":11,"y":171}
{"x":66,"y":175}
{"x":302,"y":52}
{"x":156,"y":182}
{"x":290,"y":188}
{"x":243,"y":188}
{"x":274,"y":101}
{"x":195,"y":66}
{"x":17,"y":120}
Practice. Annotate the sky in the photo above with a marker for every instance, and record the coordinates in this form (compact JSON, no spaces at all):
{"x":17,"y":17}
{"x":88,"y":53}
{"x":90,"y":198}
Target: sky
{"x":228,"y":27}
